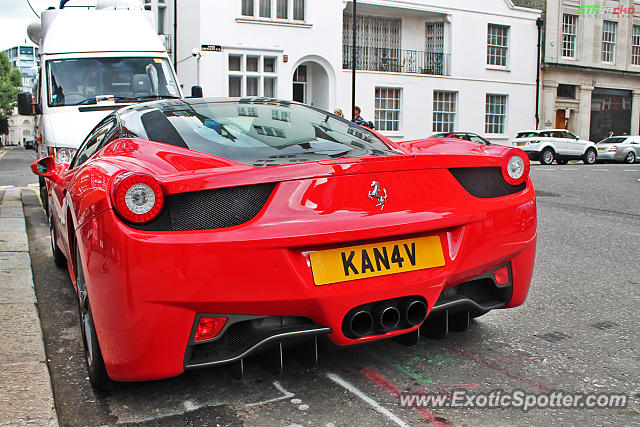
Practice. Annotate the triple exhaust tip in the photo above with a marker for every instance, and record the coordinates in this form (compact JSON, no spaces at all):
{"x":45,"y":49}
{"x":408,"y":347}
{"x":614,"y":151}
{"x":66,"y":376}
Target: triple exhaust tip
{"x":384,"y":318}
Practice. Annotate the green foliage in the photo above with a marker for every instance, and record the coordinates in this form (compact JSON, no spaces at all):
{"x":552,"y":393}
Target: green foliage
{"x":10,"y":82}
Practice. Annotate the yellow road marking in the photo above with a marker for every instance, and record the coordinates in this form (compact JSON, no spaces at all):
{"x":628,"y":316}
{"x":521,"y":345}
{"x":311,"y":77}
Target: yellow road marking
{"x":5,"y":152}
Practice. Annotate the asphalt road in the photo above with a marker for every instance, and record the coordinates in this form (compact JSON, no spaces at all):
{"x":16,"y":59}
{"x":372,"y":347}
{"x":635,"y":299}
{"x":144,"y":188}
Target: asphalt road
{"x":579,"y":332}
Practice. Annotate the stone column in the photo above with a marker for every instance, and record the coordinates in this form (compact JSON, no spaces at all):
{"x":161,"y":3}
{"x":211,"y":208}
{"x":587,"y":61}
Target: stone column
{"x":635,"y":113}
{"x":549,"y":91}
{"x":584,"y":111}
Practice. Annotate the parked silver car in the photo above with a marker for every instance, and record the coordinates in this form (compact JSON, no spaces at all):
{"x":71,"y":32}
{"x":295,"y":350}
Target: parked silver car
{"x":619,"y":149}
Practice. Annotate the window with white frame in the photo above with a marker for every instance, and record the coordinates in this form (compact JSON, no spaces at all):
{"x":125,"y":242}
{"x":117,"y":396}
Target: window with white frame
{"x":387,"y":109}
{"x":289,"y":10}
{"x":497,"y":45}
{"x":162,"y":11}
{"x":298,"y":10}
{"x":265,"y":9}
{"x":252,"y":75}
{"x":444,"y":111}
{"x":434,"y":37}
{"x":247,"y":7}
{"x":569,"y":31}
{"x":635,"y":45}
{"x":282,"y":9}
{"x":609,"y":29}
{"x":495,"y":113}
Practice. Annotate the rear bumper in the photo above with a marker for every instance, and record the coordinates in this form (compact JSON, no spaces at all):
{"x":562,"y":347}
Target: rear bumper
{"x":146,"y":289}
{"x":618,"y":156}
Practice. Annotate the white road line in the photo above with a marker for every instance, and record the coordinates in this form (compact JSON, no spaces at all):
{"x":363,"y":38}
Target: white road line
{"x":375,"y":405}
{"x":286,"y":395}
{"x":570,"y":169}
{"x":632,"y":170}
{"x":543,"y":169}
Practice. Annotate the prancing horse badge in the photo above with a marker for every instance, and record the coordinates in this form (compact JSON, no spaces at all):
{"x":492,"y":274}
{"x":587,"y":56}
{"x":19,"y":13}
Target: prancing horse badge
{"x":381,"y":197}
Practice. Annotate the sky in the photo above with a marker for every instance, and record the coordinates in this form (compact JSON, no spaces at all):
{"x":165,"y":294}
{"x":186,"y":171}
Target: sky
{"x":15,"y":15}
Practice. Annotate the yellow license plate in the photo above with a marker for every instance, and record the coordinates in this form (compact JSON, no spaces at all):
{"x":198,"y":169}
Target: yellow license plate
{"x":377,"y":259}
{"x":521,"y":144}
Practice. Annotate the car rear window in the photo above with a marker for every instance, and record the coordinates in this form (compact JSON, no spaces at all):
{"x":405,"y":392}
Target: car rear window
{"x":526,"y":134}
{"x":613,"y":140}
{"x":260,"y":133}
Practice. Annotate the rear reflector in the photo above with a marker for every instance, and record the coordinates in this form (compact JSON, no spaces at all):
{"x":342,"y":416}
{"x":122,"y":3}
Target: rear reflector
{"x":209,"y":327}
{"x":502,"y":275}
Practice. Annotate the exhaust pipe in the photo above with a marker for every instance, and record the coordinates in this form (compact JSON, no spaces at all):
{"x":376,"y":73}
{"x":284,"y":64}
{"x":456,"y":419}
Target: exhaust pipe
{"x":414,"y":312}
{"x":387,"y":318}
{"x":361,"y":323}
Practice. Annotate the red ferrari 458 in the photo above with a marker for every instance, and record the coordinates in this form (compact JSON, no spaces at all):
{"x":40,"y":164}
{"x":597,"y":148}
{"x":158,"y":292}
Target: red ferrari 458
{"x":199,"y":232}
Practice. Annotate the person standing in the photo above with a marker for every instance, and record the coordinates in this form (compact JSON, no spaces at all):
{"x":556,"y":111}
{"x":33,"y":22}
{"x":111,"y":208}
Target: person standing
{"x":338,"y":112}
{"x":358,"y":118}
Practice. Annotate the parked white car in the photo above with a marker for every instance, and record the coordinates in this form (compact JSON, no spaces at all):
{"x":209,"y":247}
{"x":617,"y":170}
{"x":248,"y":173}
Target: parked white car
{"x":619,"y":149}
{"x":555,"y":144}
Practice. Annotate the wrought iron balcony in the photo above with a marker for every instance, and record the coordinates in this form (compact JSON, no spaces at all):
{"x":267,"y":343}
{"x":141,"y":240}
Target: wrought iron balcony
{"x":397,"y":60}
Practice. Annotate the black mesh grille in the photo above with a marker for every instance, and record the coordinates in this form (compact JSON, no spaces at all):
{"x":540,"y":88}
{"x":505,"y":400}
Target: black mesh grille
{"x":244,"y":335}
{"x":485,"y":183}
{"x":209,"y":209}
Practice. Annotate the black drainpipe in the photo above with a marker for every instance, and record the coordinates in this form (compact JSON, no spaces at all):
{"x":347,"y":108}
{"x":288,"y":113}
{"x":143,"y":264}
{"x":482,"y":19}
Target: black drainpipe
{"x":175,"y":35}
{"x":539,"y":23}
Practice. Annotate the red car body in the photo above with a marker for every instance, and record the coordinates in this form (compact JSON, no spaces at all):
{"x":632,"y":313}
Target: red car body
{"x":147,"y":288}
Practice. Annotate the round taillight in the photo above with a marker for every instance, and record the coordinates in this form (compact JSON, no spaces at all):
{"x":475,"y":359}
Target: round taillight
{"x":138,"y":197}
{"x":515,"y":168}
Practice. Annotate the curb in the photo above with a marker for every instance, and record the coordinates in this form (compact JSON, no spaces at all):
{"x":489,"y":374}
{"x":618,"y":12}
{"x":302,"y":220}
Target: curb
{"x":26,"y":397}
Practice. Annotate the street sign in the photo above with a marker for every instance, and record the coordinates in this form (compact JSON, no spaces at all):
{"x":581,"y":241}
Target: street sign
{"x":211,"y":48}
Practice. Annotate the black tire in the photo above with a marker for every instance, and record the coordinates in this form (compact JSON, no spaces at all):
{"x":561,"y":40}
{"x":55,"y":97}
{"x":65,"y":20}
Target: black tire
{"x":43,"y":195}
{"x":98,"y":376}
{"x":547,"y":156}
{"x":58,"y":257}
{"x":562,"y":161}
{"x":590,"y":156}
{"x":630,"y":157}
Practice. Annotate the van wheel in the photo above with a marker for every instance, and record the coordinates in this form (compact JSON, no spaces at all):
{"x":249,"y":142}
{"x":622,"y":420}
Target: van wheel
{"x":547,"y":156}
{"x":590,"y":157}
{"x":98,"y":376}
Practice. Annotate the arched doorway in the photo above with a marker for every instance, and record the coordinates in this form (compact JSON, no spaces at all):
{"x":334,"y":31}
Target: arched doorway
{"x":311,"y":85}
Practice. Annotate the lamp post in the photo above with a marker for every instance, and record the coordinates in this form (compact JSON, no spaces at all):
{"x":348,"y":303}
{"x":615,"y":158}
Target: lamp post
{"x":353,"y":64}
{"x":196,"y":54}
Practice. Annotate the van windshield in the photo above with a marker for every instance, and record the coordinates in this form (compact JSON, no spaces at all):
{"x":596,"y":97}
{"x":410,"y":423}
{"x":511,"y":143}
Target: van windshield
{"x":86,"y":81}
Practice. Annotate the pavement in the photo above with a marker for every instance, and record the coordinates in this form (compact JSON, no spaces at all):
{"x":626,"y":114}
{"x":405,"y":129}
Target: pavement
{"x":26,"y":396}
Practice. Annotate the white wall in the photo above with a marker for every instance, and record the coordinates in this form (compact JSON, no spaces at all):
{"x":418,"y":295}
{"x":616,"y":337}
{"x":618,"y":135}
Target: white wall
{"x":319,"y":39}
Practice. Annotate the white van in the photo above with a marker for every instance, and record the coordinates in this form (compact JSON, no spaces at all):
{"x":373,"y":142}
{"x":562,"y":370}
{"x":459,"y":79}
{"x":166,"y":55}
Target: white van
{"x":93,"y":60}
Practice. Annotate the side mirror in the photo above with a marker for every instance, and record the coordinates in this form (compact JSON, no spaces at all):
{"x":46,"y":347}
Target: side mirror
{"x":25,"y":104}
{"x":45,"y":167}
{"x":196,"y":91}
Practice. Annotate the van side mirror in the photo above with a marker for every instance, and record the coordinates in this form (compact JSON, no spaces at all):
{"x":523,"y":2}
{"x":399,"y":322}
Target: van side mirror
{"x":25,"y":104}
{"x":196,"y":91}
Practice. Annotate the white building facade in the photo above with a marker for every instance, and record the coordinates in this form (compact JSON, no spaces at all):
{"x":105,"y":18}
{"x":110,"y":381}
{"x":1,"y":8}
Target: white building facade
{"x":21,"y":129}
{"x":424,"y":66}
